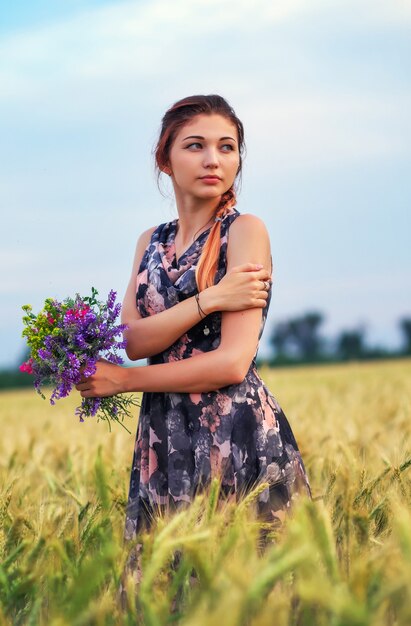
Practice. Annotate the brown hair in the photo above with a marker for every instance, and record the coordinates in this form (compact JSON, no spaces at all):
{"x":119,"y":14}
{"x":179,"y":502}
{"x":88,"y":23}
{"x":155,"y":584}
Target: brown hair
{"x":175,"y":117}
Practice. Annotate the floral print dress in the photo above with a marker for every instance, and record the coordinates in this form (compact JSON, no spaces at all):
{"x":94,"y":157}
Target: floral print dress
{"x":238,"y":433}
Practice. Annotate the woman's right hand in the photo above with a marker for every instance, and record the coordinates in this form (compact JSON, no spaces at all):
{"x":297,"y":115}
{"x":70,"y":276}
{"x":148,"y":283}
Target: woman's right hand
{"x":241,"y":288}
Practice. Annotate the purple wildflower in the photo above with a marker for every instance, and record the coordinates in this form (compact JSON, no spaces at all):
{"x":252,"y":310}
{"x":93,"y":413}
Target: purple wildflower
{"x":111,"y":299}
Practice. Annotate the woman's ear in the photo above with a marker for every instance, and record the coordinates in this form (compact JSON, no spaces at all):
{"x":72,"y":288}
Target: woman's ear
{"x":167,"y":170}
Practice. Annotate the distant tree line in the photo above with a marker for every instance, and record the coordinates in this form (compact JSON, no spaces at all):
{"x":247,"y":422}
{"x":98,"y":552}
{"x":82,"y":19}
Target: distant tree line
{"x":295,"y":341}
{"x":299,"y":340}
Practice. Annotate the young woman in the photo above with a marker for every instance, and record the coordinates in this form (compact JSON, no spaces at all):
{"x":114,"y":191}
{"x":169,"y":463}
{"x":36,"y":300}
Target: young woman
{"x":196,"y":306}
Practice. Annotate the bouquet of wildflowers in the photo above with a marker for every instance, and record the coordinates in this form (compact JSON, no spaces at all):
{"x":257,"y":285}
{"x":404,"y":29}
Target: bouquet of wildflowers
{"x":66,"y":339}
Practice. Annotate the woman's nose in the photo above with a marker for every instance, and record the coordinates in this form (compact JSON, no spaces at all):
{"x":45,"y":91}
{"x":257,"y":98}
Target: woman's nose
{"x":211,"y":157}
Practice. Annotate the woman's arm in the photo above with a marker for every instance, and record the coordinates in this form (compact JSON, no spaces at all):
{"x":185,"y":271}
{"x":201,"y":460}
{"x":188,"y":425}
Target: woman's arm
{"x":153,"y":334}
{"x":228,"y":364}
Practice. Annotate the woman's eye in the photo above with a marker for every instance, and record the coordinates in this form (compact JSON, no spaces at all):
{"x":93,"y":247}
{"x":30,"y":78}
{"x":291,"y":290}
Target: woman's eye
{"x":196,"y":143}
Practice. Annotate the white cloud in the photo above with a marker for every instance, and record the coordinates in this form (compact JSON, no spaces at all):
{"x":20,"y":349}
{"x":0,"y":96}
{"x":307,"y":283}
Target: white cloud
{"x":313,"y":128}
{"x":135,"y":39}
{"x":118,"y":58}
{"x":129,"y":37}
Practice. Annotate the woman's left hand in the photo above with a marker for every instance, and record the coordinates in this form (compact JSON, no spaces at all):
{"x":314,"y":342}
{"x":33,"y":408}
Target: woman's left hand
{"x":108,"y":380}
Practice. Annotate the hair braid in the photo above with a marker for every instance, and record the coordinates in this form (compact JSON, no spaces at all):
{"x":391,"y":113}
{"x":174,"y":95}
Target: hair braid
{"x":207,"y":265}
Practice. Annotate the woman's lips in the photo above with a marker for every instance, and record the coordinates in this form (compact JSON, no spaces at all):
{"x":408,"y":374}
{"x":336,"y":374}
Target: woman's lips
{"x":209,"y":180}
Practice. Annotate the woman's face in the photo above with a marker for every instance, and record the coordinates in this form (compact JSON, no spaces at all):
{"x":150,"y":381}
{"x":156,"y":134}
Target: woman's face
{"x":206,"y":146}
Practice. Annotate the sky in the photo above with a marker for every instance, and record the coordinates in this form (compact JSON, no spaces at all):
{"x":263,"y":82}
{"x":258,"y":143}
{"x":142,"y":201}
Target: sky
{"x":323,"y":90}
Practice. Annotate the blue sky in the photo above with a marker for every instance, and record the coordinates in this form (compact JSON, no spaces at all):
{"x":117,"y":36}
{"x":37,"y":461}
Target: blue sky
{"x":323,"y":90}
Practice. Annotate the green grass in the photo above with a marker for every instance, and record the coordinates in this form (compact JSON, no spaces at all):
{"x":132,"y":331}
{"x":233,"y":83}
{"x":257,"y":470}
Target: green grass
{"x":343,"y":559}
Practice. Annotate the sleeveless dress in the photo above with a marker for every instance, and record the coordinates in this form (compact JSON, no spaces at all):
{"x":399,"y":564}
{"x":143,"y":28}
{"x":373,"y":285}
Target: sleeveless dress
{"x":238,"y":433}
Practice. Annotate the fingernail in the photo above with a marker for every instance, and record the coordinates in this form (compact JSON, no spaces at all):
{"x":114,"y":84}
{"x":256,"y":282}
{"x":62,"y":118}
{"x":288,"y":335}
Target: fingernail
{"x":260,"y":267}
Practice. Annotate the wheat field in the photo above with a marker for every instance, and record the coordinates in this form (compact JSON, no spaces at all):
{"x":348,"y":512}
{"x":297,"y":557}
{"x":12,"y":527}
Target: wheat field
{"x":342,"y":559}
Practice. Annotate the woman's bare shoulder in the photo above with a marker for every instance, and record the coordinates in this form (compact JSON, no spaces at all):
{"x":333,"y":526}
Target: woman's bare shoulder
{"x":141,"y":245}
{"x":249,"y":218}
{"x":249,"y":241}
{"x":144,"y":238}
{"x":247,"y":223}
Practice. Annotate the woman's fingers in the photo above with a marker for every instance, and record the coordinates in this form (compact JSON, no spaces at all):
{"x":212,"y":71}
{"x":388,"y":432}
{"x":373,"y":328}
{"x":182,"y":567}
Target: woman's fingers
{"x":85,"y":383}
{"x":262,"y":295}
{"x":265,"y":285}
{"x":260,"y":304}
{"x":252,"y":271}
{"x":82,"y":386}
{"x":263,"y":274}
{"x":247,"y":267}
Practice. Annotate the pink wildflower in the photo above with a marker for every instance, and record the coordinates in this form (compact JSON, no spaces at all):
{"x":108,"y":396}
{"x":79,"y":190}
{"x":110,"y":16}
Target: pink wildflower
{"x":27,"y":366}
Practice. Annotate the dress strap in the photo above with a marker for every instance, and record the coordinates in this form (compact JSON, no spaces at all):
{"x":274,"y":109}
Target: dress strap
{"x":227,"y":220}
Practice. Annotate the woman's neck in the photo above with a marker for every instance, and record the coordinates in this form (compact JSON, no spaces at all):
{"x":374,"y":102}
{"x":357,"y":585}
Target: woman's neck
{"x":193,"y":218}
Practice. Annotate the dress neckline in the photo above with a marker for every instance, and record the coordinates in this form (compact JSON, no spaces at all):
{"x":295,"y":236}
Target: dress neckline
{"x":174,"y":232}
{"x":176,"y":262}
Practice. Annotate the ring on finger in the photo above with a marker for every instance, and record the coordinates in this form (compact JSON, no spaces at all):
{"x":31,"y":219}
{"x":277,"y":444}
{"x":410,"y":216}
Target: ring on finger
{"x":266,"y":285}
